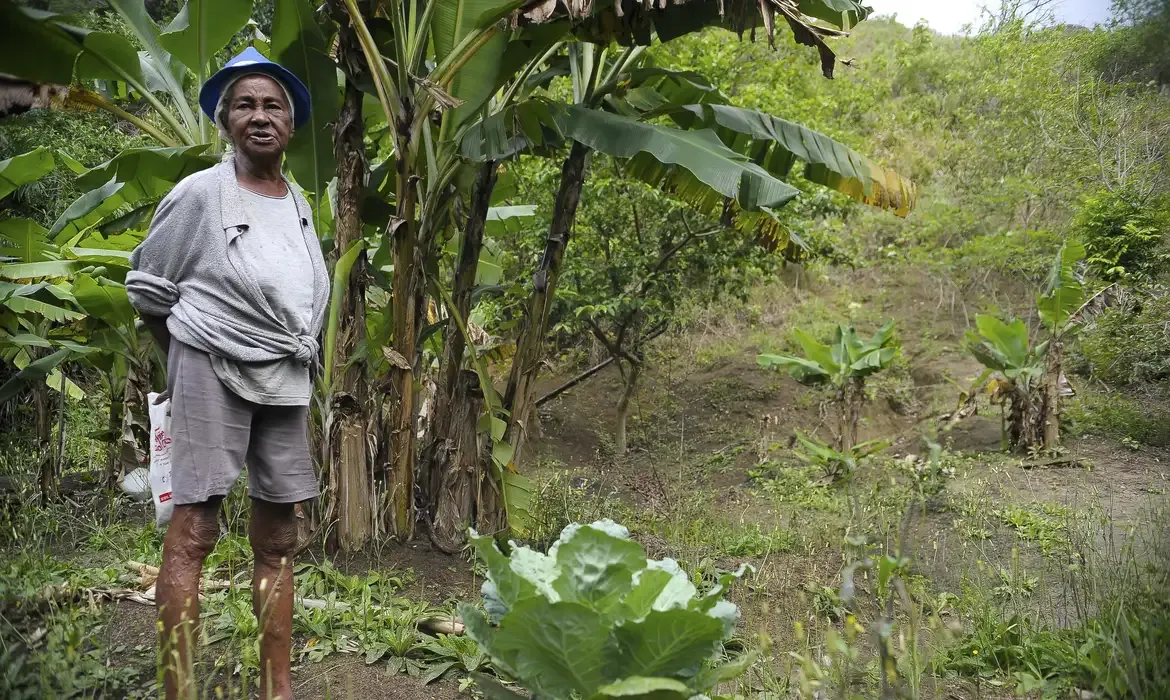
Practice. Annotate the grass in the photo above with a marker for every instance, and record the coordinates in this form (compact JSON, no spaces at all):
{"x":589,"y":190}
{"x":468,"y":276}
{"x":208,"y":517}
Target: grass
{"x":1109,"y":414}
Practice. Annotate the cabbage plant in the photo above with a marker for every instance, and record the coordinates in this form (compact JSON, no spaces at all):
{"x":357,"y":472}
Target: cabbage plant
{"x":594,"y":618}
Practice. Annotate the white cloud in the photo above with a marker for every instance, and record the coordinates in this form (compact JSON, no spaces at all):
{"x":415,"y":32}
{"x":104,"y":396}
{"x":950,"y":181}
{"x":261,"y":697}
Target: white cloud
{"x":949,"y":16}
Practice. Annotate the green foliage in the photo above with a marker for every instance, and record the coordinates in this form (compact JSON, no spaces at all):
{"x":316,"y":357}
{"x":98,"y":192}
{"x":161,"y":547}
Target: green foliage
{"x":1118,"y":653}
{"x":1137,"y":48}
{"x":23,"y":169}
{"x":849,"y":358}
{"x":1124,"y":235}
{"x":594,"y":618}
{"x":1063,"y":293}
{"x":1129,"y":343}
{"x":1004,"y":348}
{"x":1039,"y":523}
{"x":1111,"y":414}
{"x":836,"y":466}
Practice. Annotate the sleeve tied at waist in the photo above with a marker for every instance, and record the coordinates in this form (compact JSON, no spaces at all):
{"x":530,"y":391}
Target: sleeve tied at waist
{"x":150,"y":294}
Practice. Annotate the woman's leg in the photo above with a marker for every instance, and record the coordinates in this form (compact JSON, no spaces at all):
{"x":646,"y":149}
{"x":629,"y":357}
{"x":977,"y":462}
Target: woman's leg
{"x":273,"y":533}
{"x":191,"y":537}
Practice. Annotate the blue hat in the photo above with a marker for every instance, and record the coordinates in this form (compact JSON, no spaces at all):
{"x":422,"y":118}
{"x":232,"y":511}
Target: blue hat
{"x":252,"y":61}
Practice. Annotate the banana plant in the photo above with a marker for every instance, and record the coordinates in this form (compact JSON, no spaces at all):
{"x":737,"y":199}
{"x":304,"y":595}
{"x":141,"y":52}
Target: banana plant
{"x":835,"y":465}
{"x":65,"y":302}
{"x":1025,"y":379}
{"x":844,"y":366}
{"x":104,"y":70}
{"x":1059,"y":307}
{"x":1013,"y":376}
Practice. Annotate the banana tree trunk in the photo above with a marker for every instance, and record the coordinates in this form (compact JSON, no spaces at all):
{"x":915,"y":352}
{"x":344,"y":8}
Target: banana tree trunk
{"x":1050,"y":412}
{"x":349,"y":393}
{"x":404,"y":286}
{"x":133,"y":441}
{"x":114,"y":463}
{"x":1024,"y":429}
{"x":451,"y":392}
{"x":460,"y":463}
{"x":53,"y":461}
{"x":42,"y":408}
{"x":851,"y":398}
{"x":519,"y":399}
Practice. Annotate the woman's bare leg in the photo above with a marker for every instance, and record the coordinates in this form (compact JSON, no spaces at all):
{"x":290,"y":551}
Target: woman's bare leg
{"x":273,"y":533}
{"x":191,"y":537}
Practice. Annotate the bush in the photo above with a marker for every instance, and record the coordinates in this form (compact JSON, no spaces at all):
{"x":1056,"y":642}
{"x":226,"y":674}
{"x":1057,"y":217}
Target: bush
{"x":1123,"y":235}
{"x":1130,"y":343}
{"x":1112,"y":415}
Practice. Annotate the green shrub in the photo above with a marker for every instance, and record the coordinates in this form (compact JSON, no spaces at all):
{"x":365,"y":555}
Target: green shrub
{"x":594,"y":618}
{"x":1130,"y":343}
{"x":1113,"y":415}
{"x":1124,"y":234}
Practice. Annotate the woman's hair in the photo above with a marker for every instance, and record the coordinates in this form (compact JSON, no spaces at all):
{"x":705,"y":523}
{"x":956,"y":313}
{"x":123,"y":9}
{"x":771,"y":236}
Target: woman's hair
{"x":225,"y":96}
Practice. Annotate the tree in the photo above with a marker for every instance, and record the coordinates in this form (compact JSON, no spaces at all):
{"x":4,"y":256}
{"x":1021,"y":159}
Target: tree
{"x":427,"y":168}
{"x":1124,"y":235}
{"x":844,"y":366}
{"x":640,"y":255}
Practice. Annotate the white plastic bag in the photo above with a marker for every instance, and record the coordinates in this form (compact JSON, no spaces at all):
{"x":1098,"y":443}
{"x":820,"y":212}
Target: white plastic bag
{"x":160,"y":458}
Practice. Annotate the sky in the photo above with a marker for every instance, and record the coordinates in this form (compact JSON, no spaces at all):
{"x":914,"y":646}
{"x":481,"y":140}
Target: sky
{"x":949,"y":16}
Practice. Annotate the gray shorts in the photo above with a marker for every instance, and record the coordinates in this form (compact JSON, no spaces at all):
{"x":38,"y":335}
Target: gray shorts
{"x":215,"y":432}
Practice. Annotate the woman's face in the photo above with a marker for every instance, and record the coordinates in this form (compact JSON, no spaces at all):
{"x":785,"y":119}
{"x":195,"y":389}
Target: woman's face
{"x":258,"y":117}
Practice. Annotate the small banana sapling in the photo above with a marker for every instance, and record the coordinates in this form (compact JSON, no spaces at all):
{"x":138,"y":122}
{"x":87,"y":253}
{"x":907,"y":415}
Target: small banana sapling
{"x":844,"y":365}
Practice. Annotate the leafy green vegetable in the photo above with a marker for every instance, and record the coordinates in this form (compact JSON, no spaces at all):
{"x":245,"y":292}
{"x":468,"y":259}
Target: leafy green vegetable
{"x":593,"y":618}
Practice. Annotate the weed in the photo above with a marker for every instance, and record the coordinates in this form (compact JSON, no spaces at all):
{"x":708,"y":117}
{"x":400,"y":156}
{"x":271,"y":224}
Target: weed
{"x":1111,"y":414}
{"x":1039,"y":523}
{"x":796,"y":486}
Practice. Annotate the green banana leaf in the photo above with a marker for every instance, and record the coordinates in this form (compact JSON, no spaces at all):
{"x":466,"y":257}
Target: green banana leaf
{"x":24,"y":168}
{"x":699,"y":154}
{"x":202,"y":28}
{"x":27,"y":241}
{"x":777,"y":144}
{"x":37,"y":369}
{"x":36,"y":49}
{"x":164,"y":73}
{"x":1008,"y":342}
{"x":475,"y":82}
{"x":299,"y":44}
{"x":153,"y":171}
{"x":103,"y":300}
{"x":1064,"y":293}
{"x":841,"y":13}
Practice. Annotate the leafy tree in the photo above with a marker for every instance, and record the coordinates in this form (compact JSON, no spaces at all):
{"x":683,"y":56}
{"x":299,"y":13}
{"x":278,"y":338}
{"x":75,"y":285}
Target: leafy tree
{"x":639,"y":256}
{"x":844,"y":366}
{"x":1124,"y":235}
{"x":1139,"y":48}
{"x":1129,"y":343}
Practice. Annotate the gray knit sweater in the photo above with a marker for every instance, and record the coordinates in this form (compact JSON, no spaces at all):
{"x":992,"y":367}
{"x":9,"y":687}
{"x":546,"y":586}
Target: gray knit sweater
{"x":189,"y":271}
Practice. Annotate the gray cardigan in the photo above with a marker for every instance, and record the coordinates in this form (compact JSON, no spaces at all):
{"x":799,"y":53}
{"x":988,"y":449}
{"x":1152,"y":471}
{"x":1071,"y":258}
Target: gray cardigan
{"x":188,"y":271}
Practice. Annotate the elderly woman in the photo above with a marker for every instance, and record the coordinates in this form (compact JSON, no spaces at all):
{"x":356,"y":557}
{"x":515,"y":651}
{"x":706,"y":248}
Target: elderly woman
{"x":231,"y":283}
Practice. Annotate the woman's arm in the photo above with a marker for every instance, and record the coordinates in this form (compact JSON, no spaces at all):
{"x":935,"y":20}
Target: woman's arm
{"x":157,"y":325}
